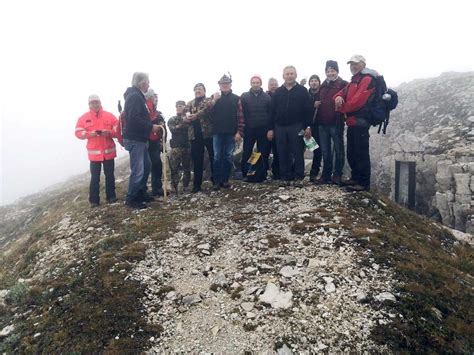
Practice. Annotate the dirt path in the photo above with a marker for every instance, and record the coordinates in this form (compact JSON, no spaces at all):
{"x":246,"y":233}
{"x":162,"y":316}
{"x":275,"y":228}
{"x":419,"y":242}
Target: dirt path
{"x":258,"y":268}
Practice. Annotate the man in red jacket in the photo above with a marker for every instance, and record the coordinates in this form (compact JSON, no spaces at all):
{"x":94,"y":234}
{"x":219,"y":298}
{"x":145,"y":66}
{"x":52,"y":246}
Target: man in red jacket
{"x":352,"y":101}
{"x":99,"y":127}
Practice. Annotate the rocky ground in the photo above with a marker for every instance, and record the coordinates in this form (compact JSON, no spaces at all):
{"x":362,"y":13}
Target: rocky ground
{"x":253,"y":275}
{"x":253,"y":268}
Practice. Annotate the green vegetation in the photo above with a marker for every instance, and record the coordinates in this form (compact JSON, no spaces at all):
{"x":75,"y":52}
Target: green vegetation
{"x":88,"y":306}
{"x":436,"y":289}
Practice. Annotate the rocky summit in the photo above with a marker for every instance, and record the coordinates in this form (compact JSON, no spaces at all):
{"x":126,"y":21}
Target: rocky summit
{"x":254,"y":268}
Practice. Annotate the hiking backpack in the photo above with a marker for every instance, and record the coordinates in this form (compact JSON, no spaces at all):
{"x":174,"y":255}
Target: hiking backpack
{"x":380,"y":103}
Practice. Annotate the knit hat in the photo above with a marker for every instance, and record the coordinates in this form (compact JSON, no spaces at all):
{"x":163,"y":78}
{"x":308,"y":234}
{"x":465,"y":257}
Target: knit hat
{"x":314,"y":76}
{"x":225,"y":79}
{"x":257,"y":77}
{"x":180,"y":102}
{"x":199,"y":84}
{"x":332,"y":64}
{"x":93,"y":97}
{"x":150,"y":94}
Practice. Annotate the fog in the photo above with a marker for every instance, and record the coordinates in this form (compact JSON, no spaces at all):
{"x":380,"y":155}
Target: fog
{"x":56,"y":53}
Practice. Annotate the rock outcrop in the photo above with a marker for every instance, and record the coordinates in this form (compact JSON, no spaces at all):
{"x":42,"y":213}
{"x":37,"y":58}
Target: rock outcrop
{"x":432,"y":126}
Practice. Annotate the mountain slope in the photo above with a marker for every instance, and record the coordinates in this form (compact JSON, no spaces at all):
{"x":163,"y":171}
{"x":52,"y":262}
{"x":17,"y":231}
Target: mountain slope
{"x":252,"y":268}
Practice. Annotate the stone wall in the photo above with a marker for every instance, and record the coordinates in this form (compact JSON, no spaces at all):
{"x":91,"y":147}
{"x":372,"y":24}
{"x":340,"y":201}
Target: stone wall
{"x":433,"y":126}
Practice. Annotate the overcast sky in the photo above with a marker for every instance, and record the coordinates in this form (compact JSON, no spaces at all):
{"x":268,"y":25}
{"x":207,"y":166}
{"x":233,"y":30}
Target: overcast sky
{"x":56,"y":53}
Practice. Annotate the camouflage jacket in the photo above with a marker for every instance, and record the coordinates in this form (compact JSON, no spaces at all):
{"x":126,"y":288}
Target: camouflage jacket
{"x":204,"y":117}
{"x":179,"y":130}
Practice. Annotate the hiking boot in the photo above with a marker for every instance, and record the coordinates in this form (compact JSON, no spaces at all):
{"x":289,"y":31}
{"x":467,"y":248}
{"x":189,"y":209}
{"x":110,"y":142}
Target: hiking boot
{"x":216,"y":187}
{"x":94,"y":204}
{"x":245,"y":179}
{"x":336,"y":180}
{"x":357,"y":188}
{"x":158,"y":192}
{"x":284,"y":183}
{"x":225,"y":185}
{"x":313,"y":179}
{"x":322,"y":181}
{"x":136,"y":205}
{"x":112,"y":200}
{"x":145,"y":198}
{"x":196,"y":189}
{"x":349,"y":182}
{"x":298,"y":183}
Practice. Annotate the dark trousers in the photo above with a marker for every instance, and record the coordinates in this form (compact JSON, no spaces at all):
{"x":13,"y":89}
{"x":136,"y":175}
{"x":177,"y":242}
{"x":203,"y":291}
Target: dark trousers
{"x":317,"y":154}
{"x":224,"y":145}
{"x":358,"y":154}
{"x":140,"y":166}
{"x":290,"y":147}
{"x":329,"y":135}
{"x":154,"y":150}
{"x":276,"y":159}
{"x":95,"y":167}
{"x":197,"y":156}
{"x":252,"y":135}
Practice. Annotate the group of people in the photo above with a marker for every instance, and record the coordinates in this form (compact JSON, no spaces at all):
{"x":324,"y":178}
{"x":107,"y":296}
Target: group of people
{"x":277,"y":121}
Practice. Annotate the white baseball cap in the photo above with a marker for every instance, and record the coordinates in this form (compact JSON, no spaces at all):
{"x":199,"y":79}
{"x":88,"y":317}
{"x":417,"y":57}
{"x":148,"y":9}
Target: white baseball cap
{"x":357,"y":58}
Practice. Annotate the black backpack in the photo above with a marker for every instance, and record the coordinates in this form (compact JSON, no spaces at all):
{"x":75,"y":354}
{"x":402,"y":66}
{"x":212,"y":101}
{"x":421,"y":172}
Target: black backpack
{"x":380,"y":103}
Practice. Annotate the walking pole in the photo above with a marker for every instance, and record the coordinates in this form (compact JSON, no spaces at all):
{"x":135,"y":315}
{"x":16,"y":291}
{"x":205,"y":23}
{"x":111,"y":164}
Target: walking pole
{"x":165,"y":177}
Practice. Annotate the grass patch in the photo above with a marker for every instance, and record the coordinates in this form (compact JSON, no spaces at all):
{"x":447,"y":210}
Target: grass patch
{"x":435,"y":273}
{"x":87,"y":307}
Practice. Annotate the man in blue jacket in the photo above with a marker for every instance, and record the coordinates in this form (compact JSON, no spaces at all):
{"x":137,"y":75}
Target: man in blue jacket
{"x":291,"y":117}
{"x":137,"y":128}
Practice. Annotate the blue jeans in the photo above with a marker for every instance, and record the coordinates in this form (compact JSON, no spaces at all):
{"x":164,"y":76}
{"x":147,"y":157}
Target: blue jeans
{"x":224,"y":145}
{"x":140,"y":166}
{"x":326,"y":135}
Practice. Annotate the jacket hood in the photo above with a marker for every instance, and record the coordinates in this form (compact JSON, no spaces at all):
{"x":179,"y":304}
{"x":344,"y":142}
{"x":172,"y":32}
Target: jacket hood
{"x":370,"y":72}
{"x":98,"y":113}
{"x":128,"y":92}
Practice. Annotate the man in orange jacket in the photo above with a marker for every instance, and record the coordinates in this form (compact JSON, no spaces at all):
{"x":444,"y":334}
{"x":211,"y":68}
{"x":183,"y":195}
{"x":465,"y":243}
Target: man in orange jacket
{"x":99,"y":127}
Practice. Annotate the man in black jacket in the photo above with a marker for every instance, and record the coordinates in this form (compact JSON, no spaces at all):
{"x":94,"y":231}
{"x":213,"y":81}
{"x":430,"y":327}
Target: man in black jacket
{"x":227,"y":128}
{"x":137,"y":128}
{"x":291,"y":118}
{"x":256,"y":108}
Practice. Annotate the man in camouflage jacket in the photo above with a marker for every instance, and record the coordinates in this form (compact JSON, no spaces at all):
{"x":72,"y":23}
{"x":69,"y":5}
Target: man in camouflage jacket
{"x":180,"y":155}
{"x":199,"y":133}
